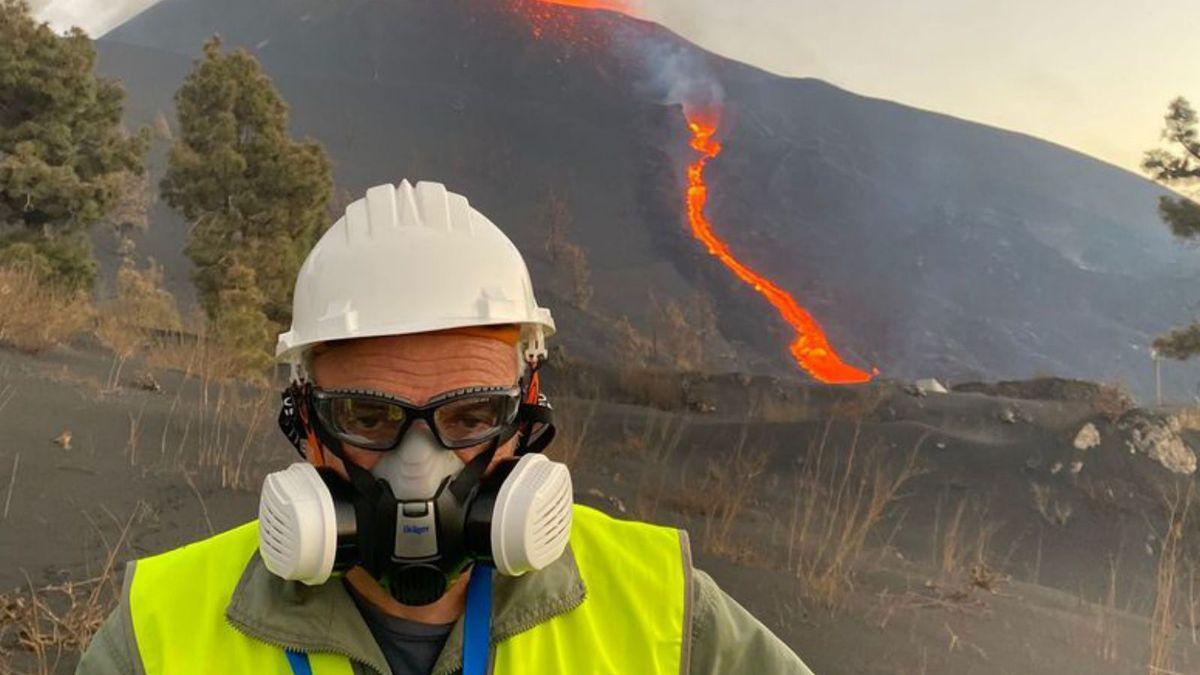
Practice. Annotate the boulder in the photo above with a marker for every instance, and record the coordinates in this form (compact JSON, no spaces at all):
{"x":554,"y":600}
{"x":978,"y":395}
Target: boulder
{"x":1088,"y":437}
{"x":1158,"y":438}
{"x":929,"y":386}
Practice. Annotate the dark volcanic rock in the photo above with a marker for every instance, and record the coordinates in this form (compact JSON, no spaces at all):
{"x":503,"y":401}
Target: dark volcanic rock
{"x":926,"y":245}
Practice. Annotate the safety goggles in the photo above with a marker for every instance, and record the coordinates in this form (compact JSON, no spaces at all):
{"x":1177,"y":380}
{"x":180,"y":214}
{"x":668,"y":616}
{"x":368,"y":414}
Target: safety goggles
{"x":458,"y":419}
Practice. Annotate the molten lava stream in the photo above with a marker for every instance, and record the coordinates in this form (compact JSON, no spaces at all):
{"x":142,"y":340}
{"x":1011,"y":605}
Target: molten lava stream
{"x":613,"y":5}
{"x":811,"y":348}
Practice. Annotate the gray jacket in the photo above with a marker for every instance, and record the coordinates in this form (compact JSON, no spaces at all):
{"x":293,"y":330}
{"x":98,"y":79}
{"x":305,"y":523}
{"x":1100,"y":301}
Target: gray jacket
{"x":723,"y":637}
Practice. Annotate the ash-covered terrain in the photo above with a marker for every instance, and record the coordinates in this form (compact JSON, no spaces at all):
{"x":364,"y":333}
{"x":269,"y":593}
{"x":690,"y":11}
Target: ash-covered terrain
{"x":925,"y":245}
{"x":993,"y":529}
{"x":998,"y":527}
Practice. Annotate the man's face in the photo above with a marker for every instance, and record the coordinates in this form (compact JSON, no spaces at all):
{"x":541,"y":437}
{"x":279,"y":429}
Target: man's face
{"x":415,"y":368}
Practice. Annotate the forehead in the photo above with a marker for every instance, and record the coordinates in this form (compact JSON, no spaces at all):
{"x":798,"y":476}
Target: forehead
{"x":415,"y":367}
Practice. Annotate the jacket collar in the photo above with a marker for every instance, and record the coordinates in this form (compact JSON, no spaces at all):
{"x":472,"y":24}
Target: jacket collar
{"x":324,"y":618}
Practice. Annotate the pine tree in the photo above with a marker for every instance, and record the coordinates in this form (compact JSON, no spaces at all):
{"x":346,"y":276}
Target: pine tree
{"x":63,"y":153}
{"x":250,"y":192}
{"x":1178,"y":167}
{"x":241,"y":328}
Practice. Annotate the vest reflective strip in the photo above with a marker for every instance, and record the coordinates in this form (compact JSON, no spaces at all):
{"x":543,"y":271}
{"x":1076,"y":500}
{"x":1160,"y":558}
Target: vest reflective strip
{"x":631,"y":621}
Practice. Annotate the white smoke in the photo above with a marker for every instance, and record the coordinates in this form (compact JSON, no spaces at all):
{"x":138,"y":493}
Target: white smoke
{"x":674,"y":73}
{"x":96,"y":17}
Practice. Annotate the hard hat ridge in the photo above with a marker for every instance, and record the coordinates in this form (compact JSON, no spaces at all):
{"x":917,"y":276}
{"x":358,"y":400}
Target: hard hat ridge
{"x":411,"y":259}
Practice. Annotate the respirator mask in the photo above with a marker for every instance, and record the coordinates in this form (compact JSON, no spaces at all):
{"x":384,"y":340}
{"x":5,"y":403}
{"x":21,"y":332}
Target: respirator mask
{"x":419,"y":516}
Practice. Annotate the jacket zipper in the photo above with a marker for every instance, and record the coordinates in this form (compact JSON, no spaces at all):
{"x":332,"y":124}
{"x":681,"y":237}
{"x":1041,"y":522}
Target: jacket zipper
{"x":296,"y":647}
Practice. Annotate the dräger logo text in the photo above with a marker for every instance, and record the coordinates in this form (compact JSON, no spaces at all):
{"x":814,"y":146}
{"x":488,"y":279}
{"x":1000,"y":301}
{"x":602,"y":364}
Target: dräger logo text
{"x":415,"y":529}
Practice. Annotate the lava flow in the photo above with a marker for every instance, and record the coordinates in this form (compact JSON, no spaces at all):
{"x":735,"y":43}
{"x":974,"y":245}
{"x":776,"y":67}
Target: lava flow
{"x":811,"y":348}
{"x":556,"y":17}
{"x":612,"y":5}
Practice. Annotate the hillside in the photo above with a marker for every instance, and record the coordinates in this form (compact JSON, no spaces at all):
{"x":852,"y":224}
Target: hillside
{"x":923,"y":244}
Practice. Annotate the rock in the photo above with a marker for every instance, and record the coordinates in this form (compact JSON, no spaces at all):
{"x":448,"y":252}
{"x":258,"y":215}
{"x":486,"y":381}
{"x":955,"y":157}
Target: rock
{"x":1055,"y":468}
{"x":1158,"y":438}
{"x":1075,"y":467}
{"x":1008,"y":416}
{"x":1088,"y":437}
{"x":146,"y":382}
{"x":929,"y":386}
{"x":63,"y":440}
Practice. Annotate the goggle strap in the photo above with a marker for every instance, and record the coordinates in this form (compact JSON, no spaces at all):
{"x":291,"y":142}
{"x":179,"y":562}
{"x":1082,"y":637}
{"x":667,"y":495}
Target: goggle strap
{"x":539,"y":416}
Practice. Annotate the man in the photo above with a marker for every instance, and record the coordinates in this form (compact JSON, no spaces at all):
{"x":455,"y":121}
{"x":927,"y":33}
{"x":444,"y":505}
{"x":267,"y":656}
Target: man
{"x":425,"y":533}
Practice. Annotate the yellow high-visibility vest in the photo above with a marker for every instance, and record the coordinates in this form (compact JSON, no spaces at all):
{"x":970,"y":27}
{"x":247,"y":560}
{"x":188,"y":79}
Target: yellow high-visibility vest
{"x":631,"y":620}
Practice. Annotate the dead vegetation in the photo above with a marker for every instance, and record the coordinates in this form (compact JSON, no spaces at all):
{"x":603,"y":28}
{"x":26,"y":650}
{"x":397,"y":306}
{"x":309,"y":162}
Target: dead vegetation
{"x":731,"y":482}
{"x":841,"y":497}
{"x":962,"y":543}
{"x":656,"y":445}
{"x":573,"y":422}
{"x":128,"y":322}
{"x":35,"y":314}
{"x":1053,"y":511}
{"x":42,"y":627}
{"x":1163,"y":617}
{"x":1106,"y":619}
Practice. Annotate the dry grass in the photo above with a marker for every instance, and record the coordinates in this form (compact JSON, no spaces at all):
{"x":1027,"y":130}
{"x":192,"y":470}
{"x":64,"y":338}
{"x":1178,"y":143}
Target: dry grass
{"x":573,"y":422}
{"x":789,"y":405}
{"x":731,"y":483}
{"x":1163,"y":617}
{"x":230,"y":411}
{"x":1193,"y":602}
{"x":1113,"y":400}
{"x":1106,"y":618}
{"x":36,"y":316}
{"x":656,"y":446}
{"x":218,"y":432}
{"x":1052,"y":511}
{"x":962,"y":543}
{"x":841,"y":496}
{"x":194,"y":352}
{"x":127,"y":323}
{"x":650,"y":388}
{"x":40,"y":627}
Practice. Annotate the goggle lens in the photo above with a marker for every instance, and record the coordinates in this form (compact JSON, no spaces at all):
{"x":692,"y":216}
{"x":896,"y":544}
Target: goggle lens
{"x":375,"y":422}
{"x":367,"y":423}
{"x":470,"y":419}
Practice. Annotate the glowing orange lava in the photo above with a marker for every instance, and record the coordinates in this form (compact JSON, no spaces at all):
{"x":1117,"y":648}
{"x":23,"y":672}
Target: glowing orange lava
{"x":612,"y":5}
{"x":560,"y":19}
{"x":811,"y":348}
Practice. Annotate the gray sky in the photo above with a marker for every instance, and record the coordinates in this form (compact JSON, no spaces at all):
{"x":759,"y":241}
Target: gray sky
{"x":1094,"y":76}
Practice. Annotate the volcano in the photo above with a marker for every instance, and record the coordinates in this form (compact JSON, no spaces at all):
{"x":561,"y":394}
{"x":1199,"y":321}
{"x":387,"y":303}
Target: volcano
{"x":923,"y":244}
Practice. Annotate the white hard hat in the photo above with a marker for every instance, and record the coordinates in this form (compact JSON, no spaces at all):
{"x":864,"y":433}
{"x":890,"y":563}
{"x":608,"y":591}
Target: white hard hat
{"x":411,"y":260}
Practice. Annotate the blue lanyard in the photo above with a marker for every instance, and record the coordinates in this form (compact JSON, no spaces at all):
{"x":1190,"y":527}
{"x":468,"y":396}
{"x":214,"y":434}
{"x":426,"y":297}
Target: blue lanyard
{"x":477,"y":627}
{"x":298,"y":661}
